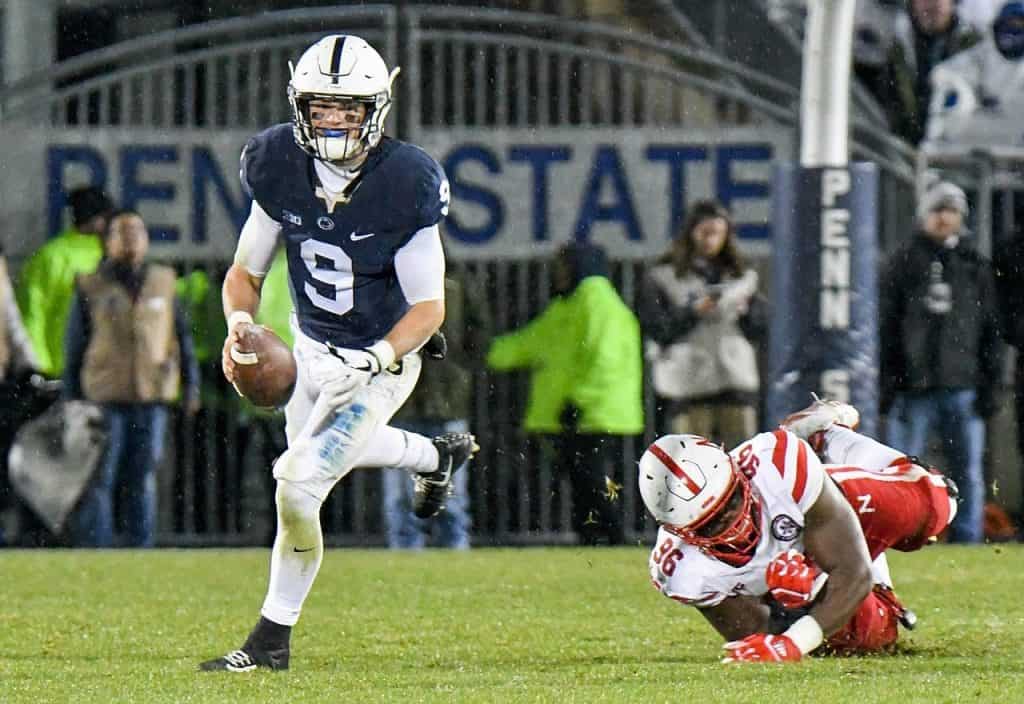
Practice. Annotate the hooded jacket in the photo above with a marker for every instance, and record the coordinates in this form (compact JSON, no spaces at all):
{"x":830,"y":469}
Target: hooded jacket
{"x":583,"y":352}
{"x":45,"y":288}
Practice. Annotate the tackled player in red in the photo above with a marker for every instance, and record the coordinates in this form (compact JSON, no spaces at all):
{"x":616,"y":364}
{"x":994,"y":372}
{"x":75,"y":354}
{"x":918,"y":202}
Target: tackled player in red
{"x":781,"y":543}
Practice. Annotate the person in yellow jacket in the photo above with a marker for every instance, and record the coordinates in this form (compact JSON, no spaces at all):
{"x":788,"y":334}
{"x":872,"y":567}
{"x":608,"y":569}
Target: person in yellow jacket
{"x":583,"y":353}
{"x":129,"y":349}
{"x":46,"y":282}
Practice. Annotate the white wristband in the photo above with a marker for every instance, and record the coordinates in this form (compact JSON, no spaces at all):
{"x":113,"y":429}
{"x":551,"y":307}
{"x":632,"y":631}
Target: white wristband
{"x":384,"y":353}
{"x":806,"y":634}
{"x":238,"y":316}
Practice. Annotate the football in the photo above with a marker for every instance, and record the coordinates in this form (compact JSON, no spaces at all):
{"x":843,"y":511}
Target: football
{"x":265,"y":369}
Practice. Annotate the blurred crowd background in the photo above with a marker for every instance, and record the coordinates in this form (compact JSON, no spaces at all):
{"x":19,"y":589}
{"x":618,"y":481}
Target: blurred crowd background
{"x":577,"y":332}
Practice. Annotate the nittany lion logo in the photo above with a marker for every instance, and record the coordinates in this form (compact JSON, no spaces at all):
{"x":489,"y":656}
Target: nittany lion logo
{"x":785,"y":528}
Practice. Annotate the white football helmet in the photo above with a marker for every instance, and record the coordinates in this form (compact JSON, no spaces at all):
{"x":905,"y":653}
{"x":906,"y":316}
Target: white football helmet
{"x":693,"y":488}
{"x":340,"y":68}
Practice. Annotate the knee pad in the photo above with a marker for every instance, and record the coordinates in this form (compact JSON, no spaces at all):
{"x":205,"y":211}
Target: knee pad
{"x":294,"y":464}
{"x":298,"y":511}
{"x":317,"y":463}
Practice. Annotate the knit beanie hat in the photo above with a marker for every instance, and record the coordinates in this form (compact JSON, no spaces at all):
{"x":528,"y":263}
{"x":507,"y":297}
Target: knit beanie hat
{"x":943,"y":194}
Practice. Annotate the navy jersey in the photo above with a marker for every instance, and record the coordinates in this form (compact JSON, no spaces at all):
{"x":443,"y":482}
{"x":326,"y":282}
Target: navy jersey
{"x":341,"y":261}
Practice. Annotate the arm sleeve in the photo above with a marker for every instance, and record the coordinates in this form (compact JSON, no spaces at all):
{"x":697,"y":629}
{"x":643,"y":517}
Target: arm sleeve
{"x":419,"y":265}
{"x":186,"y":346}
{"x":256,"y":244}
{"x":75,"y":341}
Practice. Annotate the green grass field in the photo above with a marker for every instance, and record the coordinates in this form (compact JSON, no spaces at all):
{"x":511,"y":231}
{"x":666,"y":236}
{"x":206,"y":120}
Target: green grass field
{"x":536,"y":625}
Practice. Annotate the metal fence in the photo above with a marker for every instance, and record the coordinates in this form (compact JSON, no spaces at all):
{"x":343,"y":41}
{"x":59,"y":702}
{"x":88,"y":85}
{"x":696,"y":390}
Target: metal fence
{"x":462,"y":67}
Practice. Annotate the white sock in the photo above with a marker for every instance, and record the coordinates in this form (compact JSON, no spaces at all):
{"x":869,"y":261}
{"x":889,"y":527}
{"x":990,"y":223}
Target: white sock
{"x":845,"y":446}
{"x":391,"y":447}
{"x":296,"y":556}
{"x":880,"y":571}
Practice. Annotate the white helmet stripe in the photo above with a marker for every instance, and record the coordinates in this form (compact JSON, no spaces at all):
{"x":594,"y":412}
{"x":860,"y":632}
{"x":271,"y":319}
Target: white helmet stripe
{"x":677,"y":471}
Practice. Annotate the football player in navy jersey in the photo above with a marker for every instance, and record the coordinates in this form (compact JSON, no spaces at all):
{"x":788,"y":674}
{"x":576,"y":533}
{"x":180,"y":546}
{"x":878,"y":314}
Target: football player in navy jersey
{"x":358,"y":215}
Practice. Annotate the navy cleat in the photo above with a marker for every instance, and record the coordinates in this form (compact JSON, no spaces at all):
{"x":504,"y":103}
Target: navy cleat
{"x":432,"y":488}
{"x":248,"y":659}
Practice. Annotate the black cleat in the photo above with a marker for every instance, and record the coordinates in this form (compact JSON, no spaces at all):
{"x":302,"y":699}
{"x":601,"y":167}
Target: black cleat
{"x":432,"y":488}
{"x":908,"y":619}
{"x":951,"y":488}
{"x":247,"y":660}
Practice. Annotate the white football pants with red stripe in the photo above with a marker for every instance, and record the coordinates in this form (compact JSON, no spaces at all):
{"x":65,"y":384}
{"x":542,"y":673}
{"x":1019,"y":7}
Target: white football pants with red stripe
{"x":899,"y":504}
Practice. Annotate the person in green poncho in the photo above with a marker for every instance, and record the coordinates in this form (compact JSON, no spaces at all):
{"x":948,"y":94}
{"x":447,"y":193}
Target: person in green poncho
{"x":586,"y":379}
{"x":46,"y":282}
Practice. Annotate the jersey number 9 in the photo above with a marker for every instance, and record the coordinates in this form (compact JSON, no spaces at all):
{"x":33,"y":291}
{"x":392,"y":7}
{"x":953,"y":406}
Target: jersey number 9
{"x":339,"y":278}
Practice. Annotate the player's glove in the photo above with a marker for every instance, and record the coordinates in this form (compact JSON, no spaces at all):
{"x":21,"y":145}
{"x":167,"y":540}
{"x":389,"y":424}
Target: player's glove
{"x":436,"y":347}
{"x":790,"y":579}
{"x":340,"y":375}
{"x":761,"y":647}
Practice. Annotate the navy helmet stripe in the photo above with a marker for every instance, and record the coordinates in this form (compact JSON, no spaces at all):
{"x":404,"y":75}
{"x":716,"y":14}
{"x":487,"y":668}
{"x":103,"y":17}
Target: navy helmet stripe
{"x":339,"y":46}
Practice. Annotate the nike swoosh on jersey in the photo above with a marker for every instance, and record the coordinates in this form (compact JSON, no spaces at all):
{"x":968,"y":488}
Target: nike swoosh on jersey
{"x":355,"y":238}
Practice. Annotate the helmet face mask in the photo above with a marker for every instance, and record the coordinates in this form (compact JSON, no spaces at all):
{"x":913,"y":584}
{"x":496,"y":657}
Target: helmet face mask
{"x":340,"y":70}
{"x":692,"y":487}
{"x":343,"y":142}
{"x":731,"y":532}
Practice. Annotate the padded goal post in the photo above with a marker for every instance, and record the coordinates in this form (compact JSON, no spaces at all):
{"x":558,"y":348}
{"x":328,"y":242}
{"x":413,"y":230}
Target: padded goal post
{"x":824,"y":336}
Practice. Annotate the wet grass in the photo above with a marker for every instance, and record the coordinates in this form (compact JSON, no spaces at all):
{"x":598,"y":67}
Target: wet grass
{"x":533,"y":625}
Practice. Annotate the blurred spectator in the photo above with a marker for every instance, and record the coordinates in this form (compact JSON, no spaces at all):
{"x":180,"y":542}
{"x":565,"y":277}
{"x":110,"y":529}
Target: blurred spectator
{"x":17,"y":363}
{"x":929,"y":32}
{"x":441,"y":403}
{"x":699,"y":310}
{"x":941,"y":348}
{"x":979,"y":94}
{"x":1009,"y":271}
{"x":874,"y":32}
{"x":586,"y":376}
{"x":46,"y":282}
{"x":129,"y":348}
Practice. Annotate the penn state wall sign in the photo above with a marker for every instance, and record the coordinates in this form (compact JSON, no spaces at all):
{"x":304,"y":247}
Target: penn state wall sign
{"x":514,"y":193}
{"x":523,"y":191}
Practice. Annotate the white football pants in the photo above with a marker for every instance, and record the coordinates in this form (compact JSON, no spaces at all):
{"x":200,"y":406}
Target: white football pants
{"x":325,"y":444}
